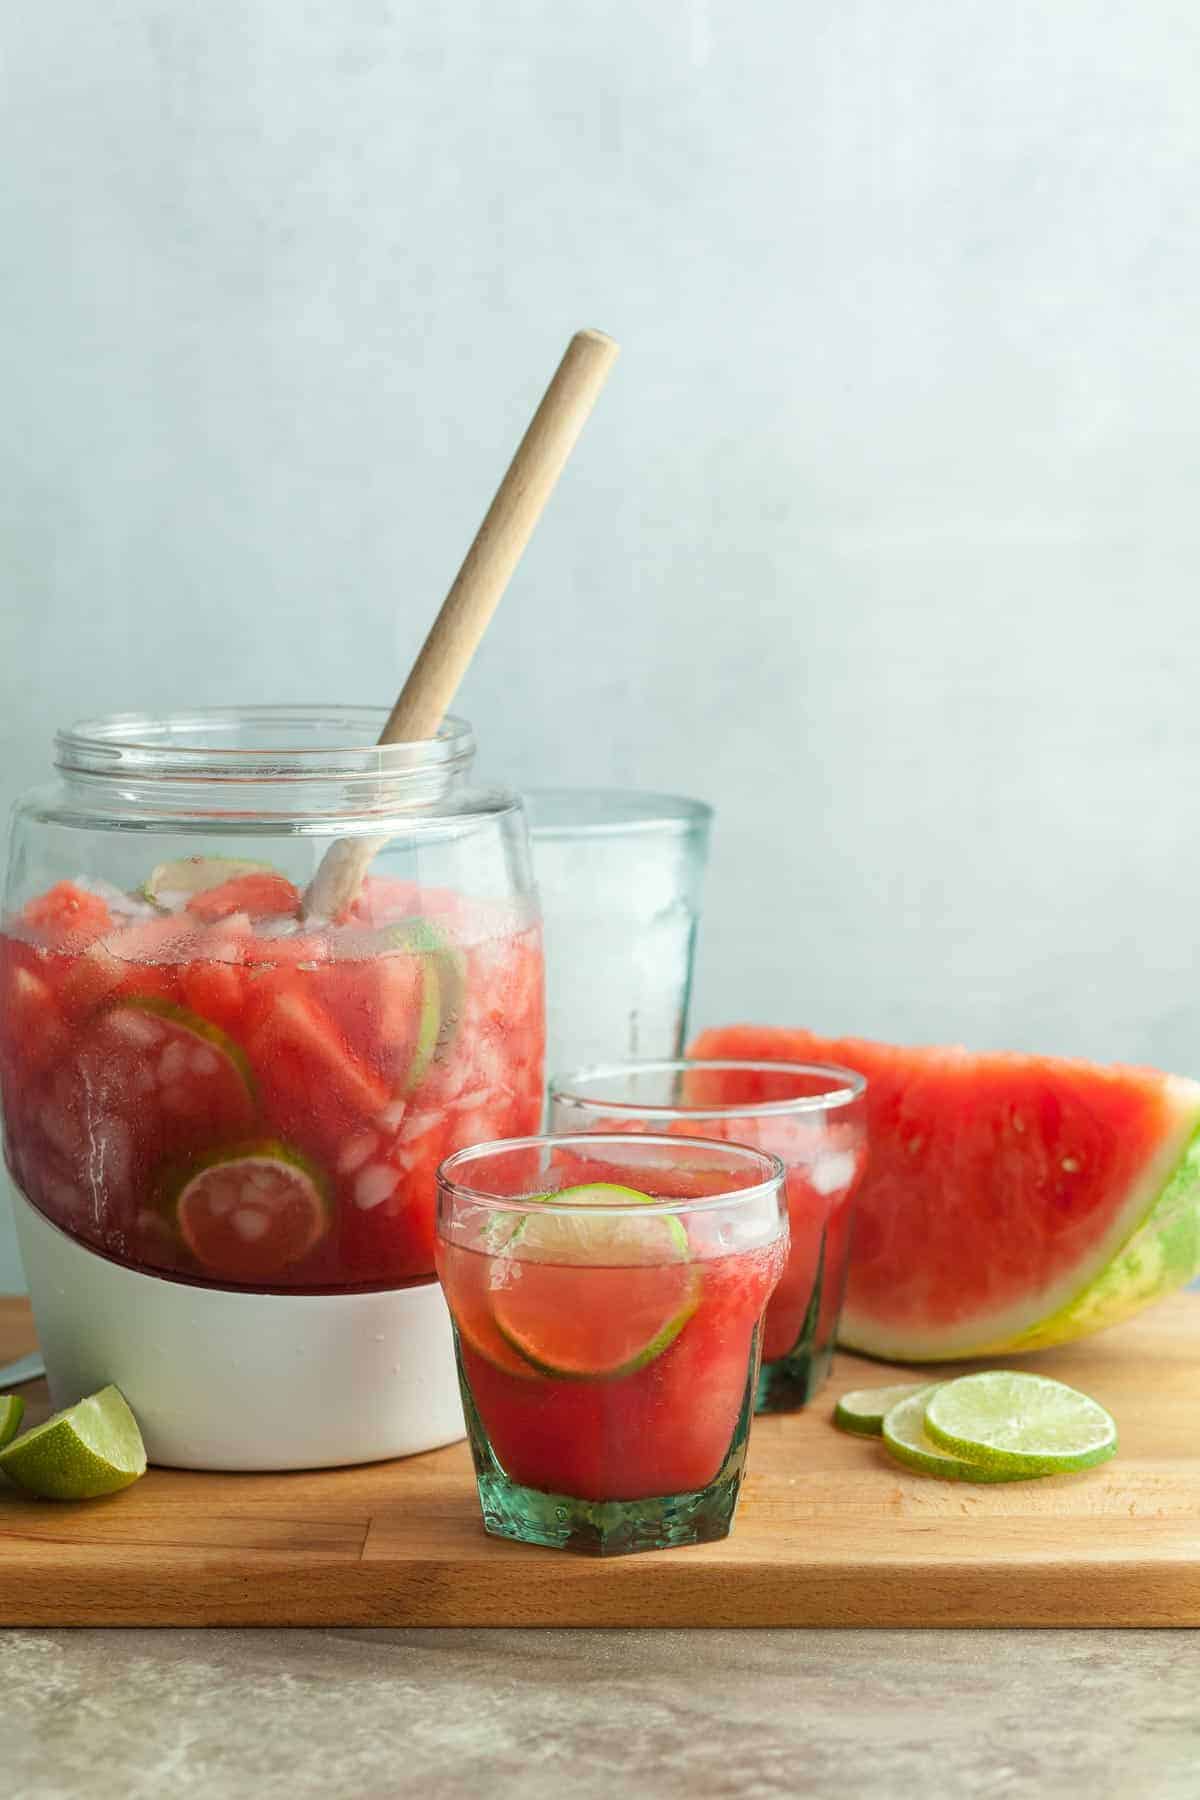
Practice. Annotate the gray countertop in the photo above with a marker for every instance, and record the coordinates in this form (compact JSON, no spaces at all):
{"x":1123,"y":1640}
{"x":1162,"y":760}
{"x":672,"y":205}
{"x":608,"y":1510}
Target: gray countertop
{"x":539,"y":1714}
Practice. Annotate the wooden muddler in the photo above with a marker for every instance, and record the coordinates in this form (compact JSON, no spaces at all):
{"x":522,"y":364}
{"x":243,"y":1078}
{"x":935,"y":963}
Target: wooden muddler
{"x":487,"y":568}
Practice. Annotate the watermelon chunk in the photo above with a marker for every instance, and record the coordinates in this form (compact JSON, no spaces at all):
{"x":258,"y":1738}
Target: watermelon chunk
{"x":261,"y":894}
{"x":68,"y":915}
{"x":1010,"y":1201}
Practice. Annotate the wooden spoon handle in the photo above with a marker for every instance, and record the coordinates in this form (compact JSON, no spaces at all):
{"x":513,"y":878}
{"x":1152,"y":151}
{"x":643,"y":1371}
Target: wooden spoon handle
{"x":454,"y":635}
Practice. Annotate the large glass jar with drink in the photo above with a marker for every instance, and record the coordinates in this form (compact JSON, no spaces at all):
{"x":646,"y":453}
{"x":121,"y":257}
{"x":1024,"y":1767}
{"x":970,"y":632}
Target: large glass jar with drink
{"x":203,"y":1076}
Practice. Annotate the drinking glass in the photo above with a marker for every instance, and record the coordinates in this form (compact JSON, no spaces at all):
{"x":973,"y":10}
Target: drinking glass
{"x":620,"y":875}
{"x":607,"y":1293}
{"x":813,"y":1117}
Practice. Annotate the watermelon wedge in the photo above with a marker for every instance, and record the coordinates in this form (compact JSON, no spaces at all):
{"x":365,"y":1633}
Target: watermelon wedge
{"x":1010,"y":1201}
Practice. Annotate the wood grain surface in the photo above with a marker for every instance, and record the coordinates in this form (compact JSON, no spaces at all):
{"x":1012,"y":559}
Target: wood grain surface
{"x":829,"y":1532}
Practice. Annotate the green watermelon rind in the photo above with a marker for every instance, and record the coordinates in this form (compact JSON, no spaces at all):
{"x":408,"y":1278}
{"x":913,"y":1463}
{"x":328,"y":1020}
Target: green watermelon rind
{"x":1163,"y":1254}
{"x":1135,"y":1265}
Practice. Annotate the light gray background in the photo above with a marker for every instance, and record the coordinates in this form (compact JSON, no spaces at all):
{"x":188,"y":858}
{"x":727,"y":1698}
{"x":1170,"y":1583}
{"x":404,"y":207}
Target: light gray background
{"x":884,"y":537}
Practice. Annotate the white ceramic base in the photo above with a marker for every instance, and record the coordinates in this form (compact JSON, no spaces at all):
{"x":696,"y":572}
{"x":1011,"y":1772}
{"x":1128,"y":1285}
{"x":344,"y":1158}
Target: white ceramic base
{"x":224,"y":1380}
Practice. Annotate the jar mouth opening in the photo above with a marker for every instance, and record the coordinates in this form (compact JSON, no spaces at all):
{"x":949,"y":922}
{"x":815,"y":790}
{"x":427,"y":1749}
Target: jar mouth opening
{"x":257,"y":743}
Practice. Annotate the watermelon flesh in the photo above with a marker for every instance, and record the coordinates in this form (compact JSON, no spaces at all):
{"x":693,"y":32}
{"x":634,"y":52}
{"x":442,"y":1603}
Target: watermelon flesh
{"x":1010,"y":1201}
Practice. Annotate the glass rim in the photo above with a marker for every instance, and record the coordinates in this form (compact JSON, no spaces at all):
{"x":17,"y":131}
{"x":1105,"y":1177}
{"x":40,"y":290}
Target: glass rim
{"x":154,"y":744}
{"x":659,"y":812}
{"x":851,"y":1087}
{"x":772,"y":1180}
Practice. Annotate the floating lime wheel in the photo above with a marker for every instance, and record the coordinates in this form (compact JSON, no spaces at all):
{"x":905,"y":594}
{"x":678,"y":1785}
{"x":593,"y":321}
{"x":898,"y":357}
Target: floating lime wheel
{"x":249,"y":1212}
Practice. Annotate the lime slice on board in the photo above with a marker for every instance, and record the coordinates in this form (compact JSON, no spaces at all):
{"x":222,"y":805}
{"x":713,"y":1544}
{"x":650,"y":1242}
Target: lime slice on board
{"x":862,"y":1410}
{"x":594,"y":1299}
{"x":93,"y":1448}
{"x":907,"y":1441}
{"x":250,"y":1210}
{"x":1017,"y":1424}
{"x":12,"y":1411}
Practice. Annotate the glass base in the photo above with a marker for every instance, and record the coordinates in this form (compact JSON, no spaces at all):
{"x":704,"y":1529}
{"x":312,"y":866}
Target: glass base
{"x":606,"y":1527}
{"x":791,"y":1381}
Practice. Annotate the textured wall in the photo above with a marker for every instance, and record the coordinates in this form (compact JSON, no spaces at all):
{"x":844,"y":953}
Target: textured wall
{"x":884,"y":537}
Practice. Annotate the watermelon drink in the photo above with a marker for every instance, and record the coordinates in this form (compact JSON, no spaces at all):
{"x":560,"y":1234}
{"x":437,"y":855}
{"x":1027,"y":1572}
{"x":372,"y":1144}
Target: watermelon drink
{"x":608,"y":1295}
{"x":811,"y":1116}
{"x":202,"y":1081}
{"x":199,"y":1085}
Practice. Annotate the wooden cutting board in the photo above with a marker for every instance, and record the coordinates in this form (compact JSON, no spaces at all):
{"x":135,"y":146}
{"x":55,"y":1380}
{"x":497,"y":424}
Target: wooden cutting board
{"x":829,"y":1532}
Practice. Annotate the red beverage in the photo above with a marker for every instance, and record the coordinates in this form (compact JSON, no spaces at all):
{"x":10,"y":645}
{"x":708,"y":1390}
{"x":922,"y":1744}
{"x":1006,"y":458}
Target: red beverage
{"x":625,"y":1422}
{"x":197,"y":1084}
{"x":820,"y":1225}
{"x":813,"y":1119}
{"x":608,"y":1296}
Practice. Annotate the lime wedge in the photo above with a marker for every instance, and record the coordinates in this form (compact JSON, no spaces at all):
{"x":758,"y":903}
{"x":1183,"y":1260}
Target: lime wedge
{"x":12,"y":1411}
{"x":862,"y":1410}
{"x":593,"y":1299}
{"x":1018,"y":1424}
{"x":906,"y":1440}
{"x":173,"y":883}
{"x":93,"y":1448}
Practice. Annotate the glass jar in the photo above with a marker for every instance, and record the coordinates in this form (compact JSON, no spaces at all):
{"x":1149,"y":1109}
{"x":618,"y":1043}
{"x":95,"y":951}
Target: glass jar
{"x":205,"y":1078}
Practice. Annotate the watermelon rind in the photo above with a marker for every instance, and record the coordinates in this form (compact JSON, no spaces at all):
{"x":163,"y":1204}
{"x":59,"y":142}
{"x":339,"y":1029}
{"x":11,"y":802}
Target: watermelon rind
{"x":1163,"y":1254}
{"x":1151,"y":1248}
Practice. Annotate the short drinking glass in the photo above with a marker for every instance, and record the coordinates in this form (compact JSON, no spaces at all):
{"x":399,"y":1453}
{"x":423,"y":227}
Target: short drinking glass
{"x":813,"y":1117}
{"x":608,"y":1294}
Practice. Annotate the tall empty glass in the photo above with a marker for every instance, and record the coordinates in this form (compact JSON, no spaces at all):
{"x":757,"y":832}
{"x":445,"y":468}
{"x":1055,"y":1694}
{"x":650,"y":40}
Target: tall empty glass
{"x":813,"y":1117}
{"x":620,"y":875}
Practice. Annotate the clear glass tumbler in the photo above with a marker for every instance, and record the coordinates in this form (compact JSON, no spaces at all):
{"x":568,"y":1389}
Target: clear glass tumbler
{"x":620,"y":876}
{"x":607,"y":1293}
{"x":813,"y":1117}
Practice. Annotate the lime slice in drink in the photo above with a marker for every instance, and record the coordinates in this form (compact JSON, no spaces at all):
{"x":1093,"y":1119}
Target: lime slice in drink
{"x":573,"y":1237}
{"x":219,"y":1058}
{"x":12,"y":1411}
{"x":907,"y":1441}
{"x":93,"y":1448}
{"x":1018,"y":1424}
{"x":862,"y":1410}
{"x":172,"y":884}
{"x":248,"y":1211}
{"x":592,"y":1299}
{"x":444,"y":992}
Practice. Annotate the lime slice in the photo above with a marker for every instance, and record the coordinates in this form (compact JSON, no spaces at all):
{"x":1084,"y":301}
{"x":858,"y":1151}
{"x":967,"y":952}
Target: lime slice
{"x":609,"y":1238}
{"x":248,"y":1211}
{"x":12,"y":1411}
{"x":192,"y":1032}
{"x":444,"y":991}
{"x":91,"y":1449}
{"x":862,"y":1410}
{"x":1020,"y":1424}
{"x":907,"y":1441}
{"x":594,"y":1299}
{"x":171,"y":884}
